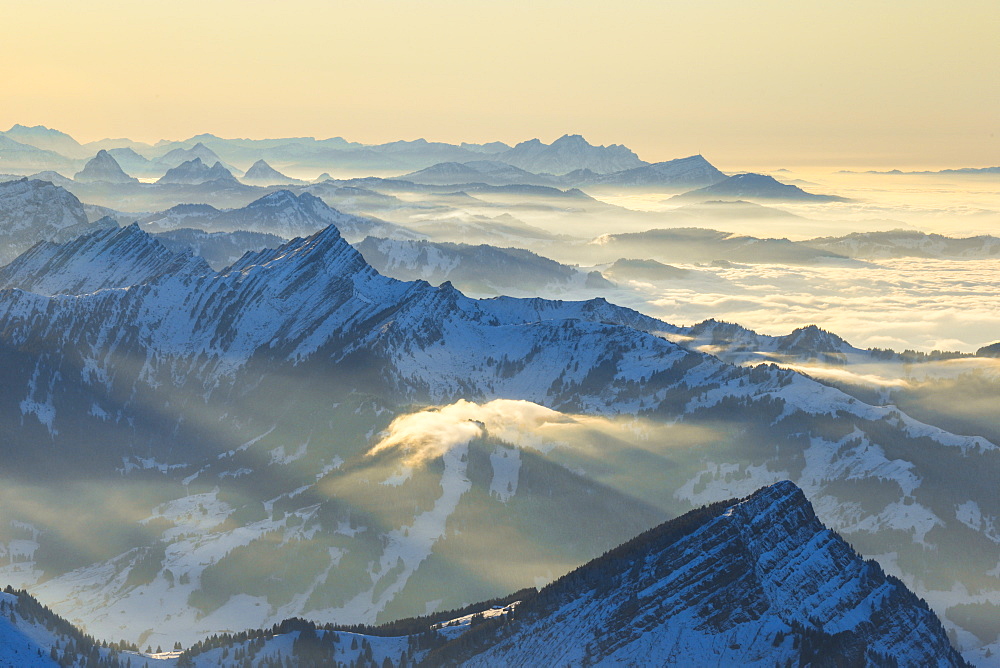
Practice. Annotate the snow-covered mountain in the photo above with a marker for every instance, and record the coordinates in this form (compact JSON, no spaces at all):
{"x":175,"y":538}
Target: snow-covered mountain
{"x":33,"y":636}
{"x":109,"y":257}
{"x":754,"y":187}
{"x":569,"y":153}
{"x":251,"y":398}
{"x":751,"y":582}
{"x":196,"y":172}
{"x":758,"y":582}
{"x":33,"y":211}
{"x":738,"y":345}
{"x":678,"y":594}
{"x":103,"y":168}
{"x":281,"y":213}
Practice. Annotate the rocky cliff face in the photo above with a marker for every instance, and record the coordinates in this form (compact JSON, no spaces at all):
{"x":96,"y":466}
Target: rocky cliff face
{"x":110,"y":257}
{"x":759,"y":582}
{"x":33,"y":211}
{"x":256,"y":392}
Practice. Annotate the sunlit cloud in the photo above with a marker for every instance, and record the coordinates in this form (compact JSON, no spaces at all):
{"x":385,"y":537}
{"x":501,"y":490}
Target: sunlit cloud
{"x":431,"y":433}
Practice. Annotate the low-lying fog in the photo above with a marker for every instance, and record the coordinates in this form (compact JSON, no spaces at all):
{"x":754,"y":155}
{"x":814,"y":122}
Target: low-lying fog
{"x":919,"y":303}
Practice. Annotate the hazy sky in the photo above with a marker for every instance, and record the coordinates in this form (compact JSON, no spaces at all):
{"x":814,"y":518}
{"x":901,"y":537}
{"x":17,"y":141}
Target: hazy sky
{"x":762,"y":82}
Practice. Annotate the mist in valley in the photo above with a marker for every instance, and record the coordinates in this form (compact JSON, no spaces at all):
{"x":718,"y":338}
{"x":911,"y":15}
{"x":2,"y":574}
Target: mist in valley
{"x":824,"y":335}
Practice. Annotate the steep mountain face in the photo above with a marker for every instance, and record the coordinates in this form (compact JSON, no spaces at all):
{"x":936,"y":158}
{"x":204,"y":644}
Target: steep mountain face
{"x":33,"y":211}
{"x":236,"y":412}
{"x":477,"y":270}
{"x":262,"y":174}
{"x":196,"y":172}
{"x":109,"y":257}
{"x":754,"y":187}
{"x":569,"y":153}
{"x":751,"y":582}
{"x":281,"y":213}
{"x":682,"y":173}
{"x":103,"y":168}
{"x":758,"y":583}
{"x":908,"y":243}
{"x":32,"y":636}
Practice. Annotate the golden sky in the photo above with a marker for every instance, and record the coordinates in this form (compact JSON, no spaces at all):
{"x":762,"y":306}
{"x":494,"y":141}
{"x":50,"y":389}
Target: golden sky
{"x":745,"y":82}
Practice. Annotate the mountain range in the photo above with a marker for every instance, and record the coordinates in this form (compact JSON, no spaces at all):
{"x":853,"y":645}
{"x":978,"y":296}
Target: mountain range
{"x":33,"y":211}
{"x":761,"y":573}
{"x":103,"y":168}
{"x":227,"y":428}
{"x":196,"y":172}
{"x":43,"y":148}
{"x":673,"y":175}
{"x":280,"y":213}
{"x":262,"y":174}
{"x":308,"y":353}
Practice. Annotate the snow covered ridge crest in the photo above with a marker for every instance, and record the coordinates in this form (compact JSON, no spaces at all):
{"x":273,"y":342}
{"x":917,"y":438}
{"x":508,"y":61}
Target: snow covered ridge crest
{"x":757,"y":581}
{"x":32,"y":635}
{"x":314,"y":306}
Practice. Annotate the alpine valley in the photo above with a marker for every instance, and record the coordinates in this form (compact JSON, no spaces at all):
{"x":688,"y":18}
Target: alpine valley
{"x":441,"y":418}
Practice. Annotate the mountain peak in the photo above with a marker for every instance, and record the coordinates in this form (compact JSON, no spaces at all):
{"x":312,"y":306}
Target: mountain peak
{"x":567,"y":154}
{"x":755,"y":186}
{"x":195,"y":172}
{"x":281,"y":198}
{"x":572,"y":139}
{"x":761,"y":572}
{"x":36,"y":129}
{"x":103,"y":168}
{"x":261,"y":173}
{"x":32,"y":210}
{"x":108,"y":257}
